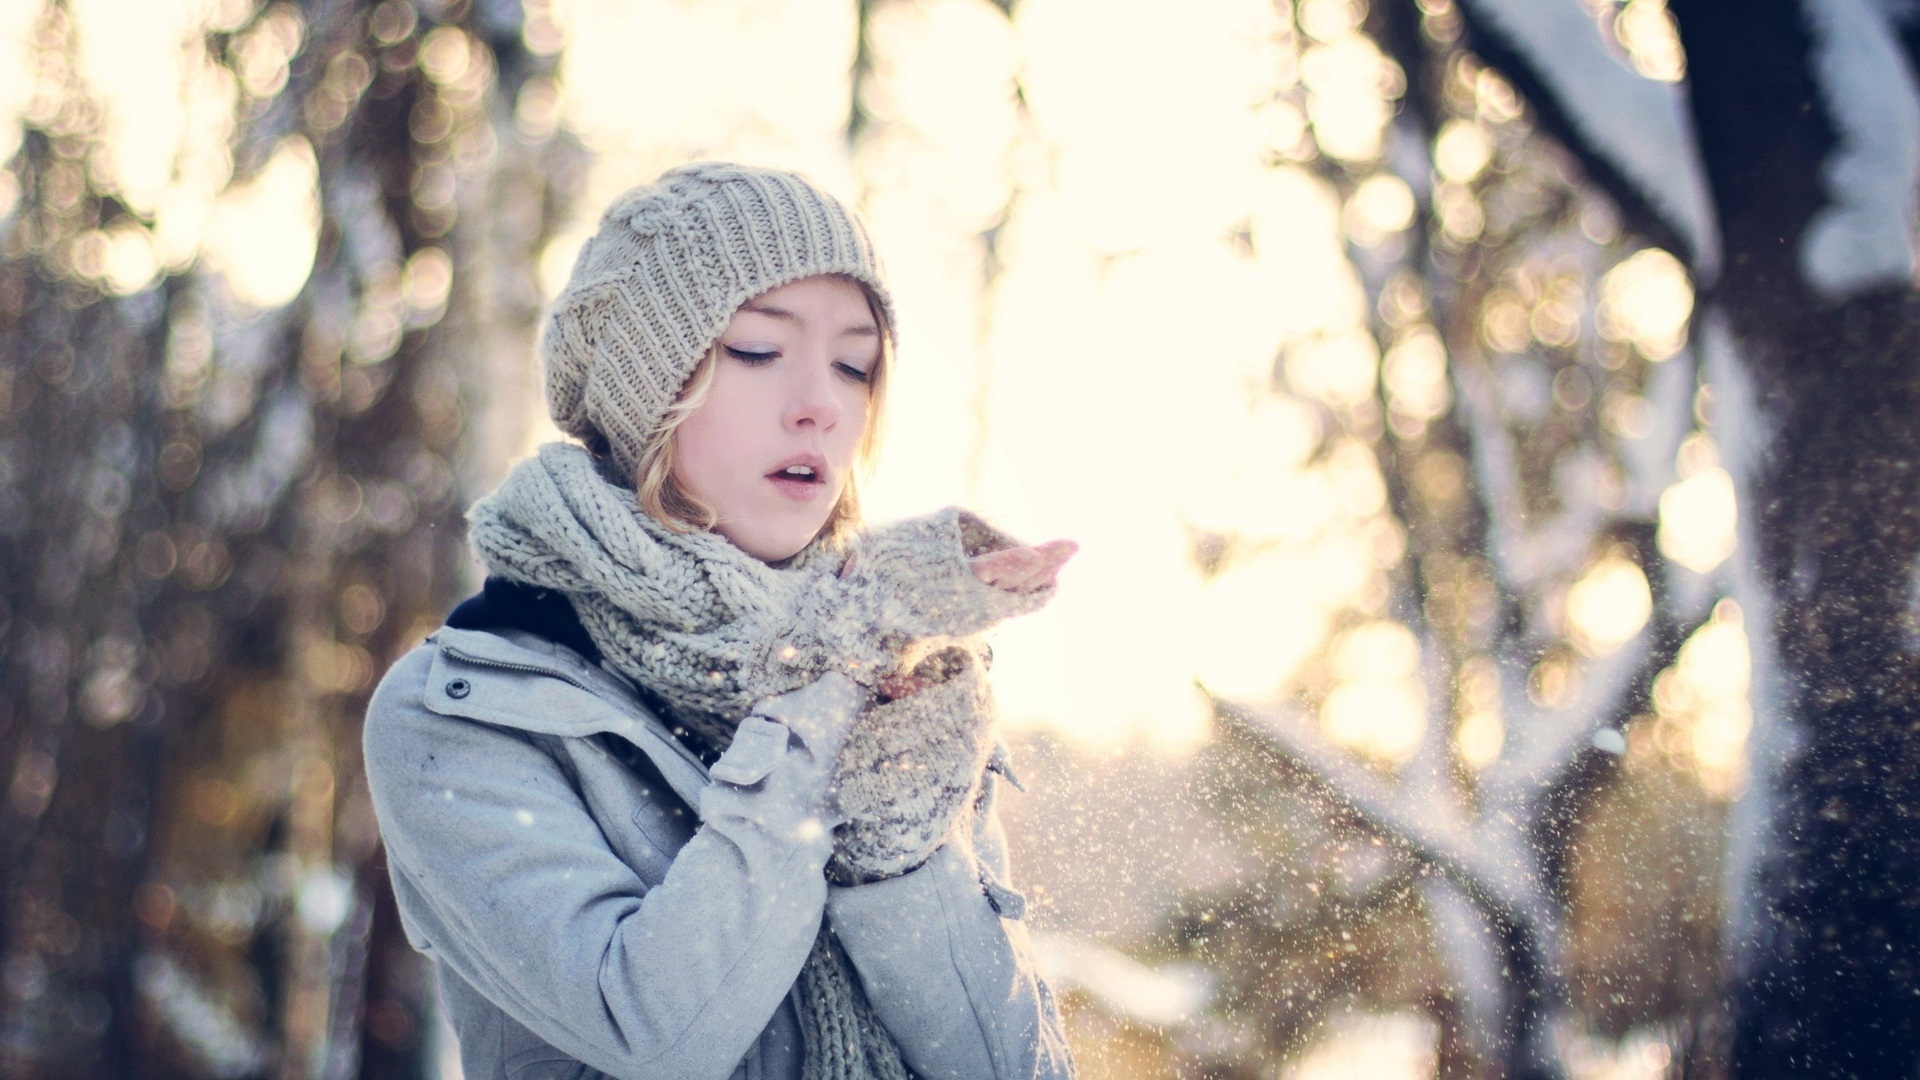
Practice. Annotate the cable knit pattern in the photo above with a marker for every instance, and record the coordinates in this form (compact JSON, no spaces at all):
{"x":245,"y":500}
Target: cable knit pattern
{"x":670,"y":264}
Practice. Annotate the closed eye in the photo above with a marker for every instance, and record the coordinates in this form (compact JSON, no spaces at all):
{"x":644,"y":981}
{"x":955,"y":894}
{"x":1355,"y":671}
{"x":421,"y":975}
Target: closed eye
{"x":859,"y":375}
{"x":751,"y":357}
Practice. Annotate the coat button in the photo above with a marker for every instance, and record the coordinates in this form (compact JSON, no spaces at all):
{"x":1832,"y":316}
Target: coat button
{"x":459,"y":688}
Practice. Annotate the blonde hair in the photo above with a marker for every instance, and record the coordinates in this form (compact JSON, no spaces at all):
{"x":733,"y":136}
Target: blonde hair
{"x":659,"y":491}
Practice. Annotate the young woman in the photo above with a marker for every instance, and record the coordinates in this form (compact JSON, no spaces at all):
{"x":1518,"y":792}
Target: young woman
{"x":701,"y":785}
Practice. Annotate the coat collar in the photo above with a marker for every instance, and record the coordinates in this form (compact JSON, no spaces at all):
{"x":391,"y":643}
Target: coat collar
{"x":492,"y":676}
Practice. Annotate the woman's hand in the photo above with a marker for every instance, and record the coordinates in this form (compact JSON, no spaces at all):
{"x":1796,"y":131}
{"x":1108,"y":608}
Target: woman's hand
{"x":1022,"y":568}
{"x":1015,"y":569}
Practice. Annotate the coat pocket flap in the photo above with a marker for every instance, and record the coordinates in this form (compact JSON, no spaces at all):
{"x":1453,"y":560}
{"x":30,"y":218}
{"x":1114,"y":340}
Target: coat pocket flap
{"x":757,"y":747}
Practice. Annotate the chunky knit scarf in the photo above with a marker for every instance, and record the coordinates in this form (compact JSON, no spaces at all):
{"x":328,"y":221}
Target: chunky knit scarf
{"x":712,"y":630}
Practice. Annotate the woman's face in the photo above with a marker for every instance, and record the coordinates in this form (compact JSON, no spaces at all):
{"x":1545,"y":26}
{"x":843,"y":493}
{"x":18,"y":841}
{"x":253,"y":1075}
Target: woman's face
{"x":771,"y":446}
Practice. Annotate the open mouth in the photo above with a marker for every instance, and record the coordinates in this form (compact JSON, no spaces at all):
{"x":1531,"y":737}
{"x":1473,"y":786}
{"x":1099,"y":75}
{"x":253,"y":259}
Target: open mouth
{"x":800,"y":480}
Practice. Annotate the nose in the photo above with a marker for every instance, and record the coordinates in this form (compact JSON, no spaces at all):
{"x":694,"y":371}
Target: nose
{"x":811,"y":402}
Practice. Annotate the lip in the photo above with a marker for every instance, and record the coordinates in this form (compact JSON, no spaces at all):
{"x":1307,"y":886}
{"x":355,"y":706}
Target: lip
{"x":801,"y":490}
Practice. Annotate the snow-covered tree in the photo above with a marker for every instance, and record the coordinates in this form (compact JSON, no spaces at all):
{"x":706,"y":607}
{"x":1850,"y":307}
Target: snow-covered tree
{"x":1566,"y":524}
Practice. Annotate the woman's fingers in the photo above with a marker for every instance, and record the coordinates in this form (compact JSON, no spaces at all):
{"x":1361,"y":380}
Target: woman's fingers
{"x":1003,"y":568}
{"x":1058,"y":552}
{"x":1012,"y":569}
{"x":1024,"y":569}
{"x":1049,"y":558}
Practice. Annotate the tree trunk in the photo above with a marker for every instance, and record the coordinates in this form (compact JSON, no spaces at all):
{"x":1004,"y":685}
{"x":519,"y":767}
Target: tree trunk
{"x":1816,"y":366}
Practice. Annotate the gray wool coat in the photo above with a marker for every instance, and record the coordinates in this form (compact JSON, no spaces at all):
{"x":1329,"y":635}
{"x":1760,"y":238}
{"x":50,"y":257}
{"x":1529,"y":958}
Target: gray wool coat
{"x":597,"y":902}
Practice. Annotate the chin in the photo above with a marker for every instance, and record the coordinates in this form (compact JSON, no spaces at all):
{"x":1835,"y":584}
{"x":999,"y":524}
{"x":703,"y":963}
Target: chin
{"x":771,"y":545}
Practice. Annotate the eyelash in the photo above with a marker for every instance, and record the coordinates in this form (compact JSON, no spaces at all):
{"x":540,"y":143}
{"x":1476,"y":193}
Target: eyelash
{"x":755,"y":359}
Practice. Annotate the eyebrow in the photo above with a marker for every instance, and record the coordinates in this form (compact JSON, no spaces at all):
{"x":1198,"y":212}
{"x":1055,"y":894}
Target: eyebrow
{"x":775,"y":312}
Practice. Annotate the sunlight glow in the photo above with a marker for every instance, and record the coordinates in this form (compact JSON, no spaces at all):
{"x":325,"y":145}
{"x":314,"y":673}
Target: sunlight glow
{"x":1350,"y":90}
{"x":1259,"y":484}
{"x":1415,"y":374}
{"x":1608,"y":605}
{"x":1306,"y":282}
{"x":1383,"y":650}
{"x":1166,"y":995}
{"x":1143,"y":359}
{"x":1339,"y":369}
{"x":165,"y":120}
{"x":1462,"y":151}
{"x":1698,"y":519}
{"x":263,"y":231}
{"x":128,"y":261}
{"x":789,"y":112}
{"x":1255,"y":627}
{"x":1702,"y":702}
{"x":1381,"y":205}
{"x":1638,"y":1055}
{"x":1378,"y":708}
{"x":16,"y":69}
{"x":131,"y":57}
{"x":1481,"y":734}
{"x":1646,"y":29}
{"x":1330,"y":20}
{"x":1647,"y":300}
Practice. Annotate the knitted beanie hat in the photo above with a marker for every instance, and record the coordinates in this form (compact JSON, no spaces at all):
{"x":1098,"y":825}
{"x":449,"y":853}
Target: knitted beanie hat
{"x":654,"y":287}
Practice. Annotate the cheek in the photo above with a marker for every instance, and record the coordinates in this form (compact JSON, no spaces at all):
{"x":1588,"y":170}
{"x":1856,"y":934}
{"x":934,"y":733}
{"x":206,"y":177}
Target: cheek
{"x":716,"y":438}
{"x":856,"y":409}
{"x":705,"y":452}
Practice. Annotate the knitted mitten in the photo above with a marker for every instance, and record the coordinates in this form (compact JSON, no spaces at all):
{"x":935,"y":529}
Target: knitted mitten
{"x":908,"y":589}
{"x":910,"y":769}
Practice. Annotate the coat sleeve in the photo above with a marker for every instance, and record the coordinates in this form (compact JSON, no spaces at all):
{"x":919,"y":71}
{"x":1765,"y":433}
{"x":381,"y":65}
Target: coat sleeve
{"x":943,"y":954}
{"x":507,"y":878}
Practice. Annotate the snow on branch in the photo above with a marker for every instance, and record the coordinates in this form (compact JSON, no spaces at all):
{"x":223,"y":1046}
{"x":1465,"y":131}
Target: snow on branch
{"x":1495,"y":471}
{"x":1864,"y":236}
{"x":1430,"y":776}
{"x":1745,"y":435}
{"x":1649,"y":459}
{"x":1523,"y":557}
{"x":1489,"y":860}
{"x":1473,"y":961}
{"x":1542,"y":744}
{"x":1638,"y":125}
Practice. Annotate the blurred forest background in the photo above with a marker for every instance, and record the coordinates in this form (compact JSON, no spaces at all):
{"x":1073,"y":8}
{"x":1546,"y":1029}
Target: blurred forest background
{"x":1492,"y":427}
